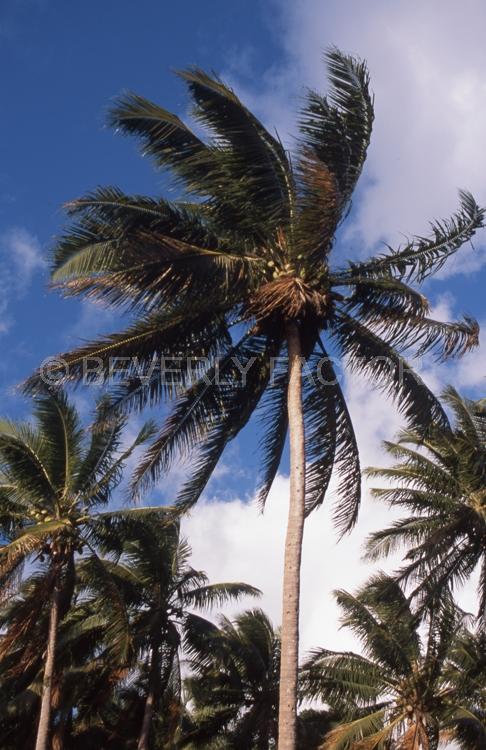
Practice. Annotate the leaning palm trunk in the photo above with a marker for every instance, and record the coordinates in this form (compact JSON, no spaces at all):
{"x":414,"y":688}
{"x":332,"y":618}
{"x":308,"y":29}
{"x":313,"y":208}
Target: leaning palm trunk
{"x":46,"y":700}
{"x":287,"y":727}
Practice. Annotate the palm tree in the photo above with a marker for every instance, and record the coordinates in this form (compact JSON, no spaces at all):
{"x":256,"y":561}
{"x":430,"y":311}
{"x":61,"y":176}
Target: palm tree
{"x":406,"y":691}
{"x":89,"y":669}
{"x":162,"y":592}
{"x":235,"y":681}
{"x":235,"y":276}
{"x":234,"y":687}
{"x":52,"y":481}
{"x":441,"y":482}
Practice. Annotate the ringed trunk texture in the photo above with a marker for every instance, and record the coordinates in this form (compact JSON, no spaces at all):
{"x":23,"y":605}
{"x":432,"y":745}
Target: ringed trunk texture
{"x":46,"y":700}
{"x":289,"y":661}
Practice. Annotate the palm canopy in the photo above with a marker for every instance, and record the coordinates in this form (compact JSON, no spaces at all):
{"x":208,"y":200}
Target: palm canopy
{"x":407,"y":688}
{"x":235,"y":681}
{"x":89,"y":666}
{"x":159,"y":586}
{"x":233,"y":686}
{"x":213,"y":279}
{"x":440,"y":481}
{"x":164,"y":596}
{"x":54,"y":478}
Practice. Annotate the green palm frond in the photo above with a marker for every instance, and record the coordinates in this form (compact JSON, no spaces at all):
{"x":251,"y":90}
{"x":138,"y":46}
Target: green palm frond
{"x":273,"y":414}
{"x":344,"y":679}
{"x":59,"y":425}
{"x":366,"y":733}
{"x":368,"y":353}
{"x":22,"y":457}
{"x":440,"y":481}
{"x":423,"y":256}
{"x":338,"y":129}
{"x":332,"y":445}
{"x":251,"y":153}
{"x":381,"y":635}
{"x":209,"y":414}
{"x":217,"y":594}
{"x":166,"y":138}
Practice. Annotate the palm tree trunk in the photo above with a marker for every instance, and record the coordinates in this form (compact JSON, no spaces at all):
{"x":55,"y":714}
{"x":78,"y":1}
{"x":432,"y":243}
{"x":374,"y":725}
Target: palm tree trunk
{"x":46,"y":700}
{"x":156,"y":685}
{"x":289,"y":660}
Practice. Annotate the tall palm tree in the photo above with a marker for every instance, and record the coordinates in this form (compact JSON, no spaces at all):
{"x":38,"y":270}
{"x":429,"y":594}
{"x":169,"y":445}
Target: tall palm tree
{"x":237,"y":275}
{"x":53,"y":479}
{"x":406,"y":691}
{"x":440,"y":481}
{"x":234,"y":687}
{"x":162,"y":592}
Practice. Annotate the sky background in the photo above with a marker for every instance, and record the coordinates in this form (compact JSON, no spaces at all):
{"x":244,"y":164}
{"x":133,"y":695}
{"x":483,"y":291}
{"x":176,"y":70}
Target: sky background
{"x":62,"y":63}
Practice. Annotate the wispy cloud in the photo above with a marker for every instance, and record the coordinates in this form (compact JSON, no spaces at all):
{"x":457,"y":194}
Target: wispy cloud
{"x":21,"y":259}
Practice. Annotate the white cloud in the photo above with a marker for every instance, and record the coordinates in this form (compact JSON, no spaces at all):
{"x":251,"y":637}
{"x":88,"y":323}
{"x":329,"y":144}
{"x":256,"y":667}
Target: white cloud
{"x":231,"y":540}
{"x":427,"y":63}
{"x":20,"y":259}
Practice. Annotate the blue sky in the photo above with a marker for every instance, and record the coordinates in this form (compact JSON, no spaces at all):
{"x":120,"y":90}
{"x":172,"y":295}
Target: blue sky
{"x":67,"y":61}
{"x":62,"y":63}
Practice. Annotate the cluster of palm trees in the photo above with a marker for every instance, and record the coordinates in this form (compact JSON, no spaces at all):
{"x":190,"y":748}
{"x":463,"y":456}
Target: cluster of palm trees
{"x":235,"y":310}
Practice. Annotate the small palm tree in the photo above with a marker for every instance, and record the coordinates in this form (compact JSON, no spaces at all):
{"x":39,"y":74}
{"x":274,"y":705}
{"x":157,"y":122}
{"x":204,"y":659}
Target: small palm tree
{"x":235,"y":682}
{"x":234,"y":687}
{"x":53,"y":480}
{"x":162,"y":592}
{"x":406,"y":691}
{"x":441,"y":481}
{"x":236,"y":275}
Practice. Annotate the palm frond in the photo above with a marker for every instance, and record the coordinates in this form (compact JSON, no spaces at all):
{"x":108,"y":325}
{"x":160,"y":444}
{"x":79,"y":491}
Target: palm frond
{"x":338,"y":129}
{"x":367,"y":353}
{"x":423,"y":256}
{"x":251,"y":153}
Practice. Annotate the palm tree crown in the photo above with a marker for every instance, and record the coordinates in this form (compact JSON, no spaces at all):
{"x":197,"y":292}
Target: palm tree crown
{"x":406,"y":690}
{"x":214,"y":279}
{"x":441,"y":481}
{"x":234,"y":687}
{"x":54,"y":478}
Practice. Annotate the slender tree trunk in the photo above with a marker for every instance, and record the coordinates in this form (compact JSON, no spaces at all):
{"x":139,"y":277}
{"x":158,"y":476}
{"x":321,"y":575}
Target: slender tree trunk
{"x":289,"y":661}
{"x":46,"y":700}
{"x":156,"y":686}
{"x":143,"y":740}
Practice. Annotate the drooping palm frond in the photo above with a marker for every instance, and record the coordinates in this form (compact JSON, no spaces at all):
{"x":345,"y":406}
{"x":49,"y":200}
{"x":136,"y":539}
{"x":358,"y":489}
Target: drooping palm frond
{"x":332,"y":445}
{"x":380,"y":361}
